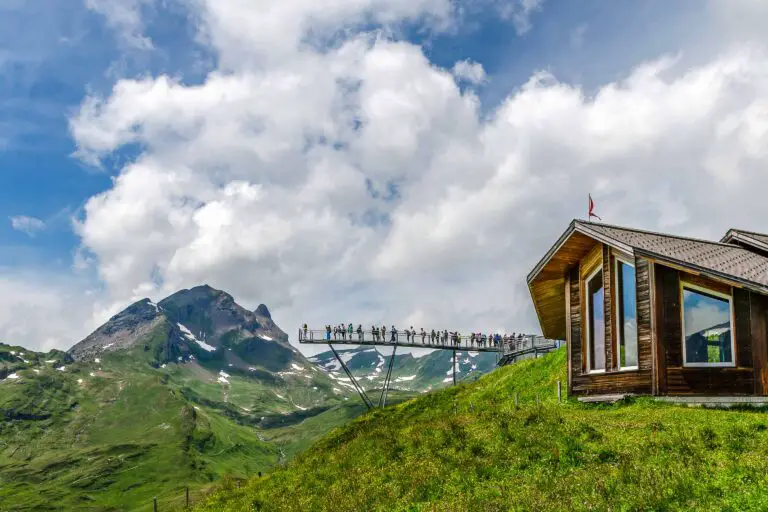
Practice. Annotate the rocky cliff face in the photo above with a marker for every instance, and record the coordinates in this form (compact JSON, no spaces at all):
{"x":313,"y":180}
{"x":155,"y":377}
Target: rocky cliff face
{"x":199,"y":323}
{"x":122,"y":331}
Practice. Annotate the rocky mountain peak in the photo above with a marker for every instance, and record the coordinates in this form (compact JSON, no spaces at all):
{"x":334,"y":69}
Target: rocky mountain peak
{"x":201,"y":321}
{"x":263,"y":311}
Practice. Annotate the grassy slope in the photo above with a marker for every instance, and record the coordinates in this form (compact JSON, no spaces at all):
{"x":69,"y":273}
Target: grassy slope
{"x":111,"y":435}
{"x":470,"y":448}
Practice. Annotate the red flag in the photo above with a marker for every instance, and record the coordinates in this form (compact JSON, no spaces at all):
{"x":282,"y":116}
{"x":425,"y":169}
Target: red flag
{"x":592,"y":209}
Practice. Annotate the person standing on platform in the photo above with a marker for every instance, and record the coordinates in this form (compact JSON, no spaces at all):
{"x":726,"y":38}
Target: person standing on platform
{"x":350,"y":330}
{"x":384,"y":333}
{"x":328,"y":332}
{"x":407,"y":335}
{"x":360,"y":332}
{"x":305,"y":331}
{"x":375,"y":333}
{"x":423,"y":336}
{"x":432,"y":337}
{"x":394,"y":334}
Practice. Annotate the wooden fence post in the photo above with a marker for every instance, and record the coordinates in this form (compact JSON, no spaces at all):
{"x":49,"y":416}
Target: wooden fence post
{"x":186,"y":493}
{"x":154,"y":504}
{"x":559,"y":391}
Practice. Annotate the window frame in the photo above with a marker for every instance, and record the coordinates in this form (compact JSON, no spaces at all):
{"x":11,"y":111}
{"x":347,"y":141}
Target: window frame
{"x":619,"y":368}
{"x":588,"y":319}
{"x":713,"y":293}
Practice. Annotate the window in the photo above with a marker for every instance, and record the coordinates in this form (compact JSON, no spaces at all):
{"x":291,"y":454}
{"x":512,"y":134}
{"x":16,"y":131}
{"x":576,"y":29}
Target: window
{"x":626,"y":315}
{"x":595,"y":323}
{"x":707,"y":327}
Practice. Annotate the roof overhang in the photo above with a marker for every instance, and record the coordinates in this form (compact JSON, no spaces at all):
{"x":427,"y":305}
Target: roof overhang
{"x":546,"y":282}
{"x":734,"y":236}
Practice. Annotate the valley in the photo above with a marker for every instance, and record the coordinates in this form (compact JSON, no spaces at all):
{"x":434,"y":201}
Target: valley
{"x":175,"y":394}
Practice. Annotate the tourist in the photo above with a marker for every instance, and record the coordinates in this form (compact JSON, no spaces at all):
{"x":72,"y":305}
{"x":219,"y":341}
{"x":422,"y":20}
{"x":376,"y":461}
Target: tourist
{"x":423,"y":335}
{"x":394,"y":334}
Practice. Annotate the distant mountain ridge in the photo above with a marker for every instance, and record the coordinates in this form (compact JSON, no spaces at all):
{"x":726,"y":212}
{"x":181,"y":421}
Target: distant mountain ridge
{"x":421,"y":372}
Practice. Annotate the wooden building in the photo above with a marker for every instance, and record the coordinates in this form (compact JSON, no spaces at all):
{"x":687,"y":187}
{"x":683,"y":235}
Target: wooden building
{"x":650,"y":313}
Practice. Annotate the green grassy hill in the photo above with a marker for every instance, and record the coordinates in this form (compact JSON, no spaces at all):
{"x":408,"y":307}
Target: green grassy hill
{"x":112,"y":432}
{"x":471,"y":448}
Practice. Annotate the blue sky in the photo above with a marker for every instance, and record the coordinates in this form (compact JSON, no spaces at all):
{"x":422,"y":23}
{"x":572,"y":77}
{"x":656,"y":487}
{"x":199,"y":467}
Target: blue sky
{"x":50,"y":60}
{"x":56,"y":60}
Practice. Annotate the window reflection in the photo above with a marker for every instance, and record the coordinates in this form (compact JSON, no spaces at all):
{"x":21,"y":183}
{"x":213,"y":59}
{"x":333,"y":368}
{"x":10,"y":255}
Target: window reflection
{"x":708,"y":332}
{"x":627,"y":314}
{"x":596,"y":320}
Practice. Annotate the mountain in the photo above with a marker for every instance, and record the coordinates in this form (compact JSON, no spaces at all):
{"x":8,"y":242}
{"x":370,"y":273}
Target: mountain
{"x":472,"y":447}
{"x":419,"y":372}
{"x":163,"y":395}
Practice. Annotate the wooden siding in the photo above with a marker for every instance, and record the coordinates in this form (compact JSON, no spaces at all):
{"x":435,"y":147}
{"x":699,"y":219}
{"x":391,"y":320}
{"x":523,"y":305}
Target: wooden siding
{"x":758,"y":310}
{"x":676,"y":379}
{"x":577,"y":361}
{"x":742,"y":329}
{"x":608,"y":309}
{"x":660,"y":333}
{"x":632,"y":381}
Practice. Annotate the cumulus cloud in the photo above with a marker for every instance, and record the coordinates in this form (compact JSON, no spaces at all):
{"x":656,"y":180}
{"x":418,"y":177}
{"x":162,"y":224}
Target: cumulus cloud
{"x":42,"y":312}
{"x":472,"y":72}
{"x":28,"y":225}
{"x":335,"y":173}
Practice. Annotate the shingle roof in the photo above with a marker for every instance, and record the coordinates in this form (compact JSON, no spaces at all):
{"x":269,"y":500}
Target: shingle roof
{"x":714,"y":257}
{"x":740,"y":234}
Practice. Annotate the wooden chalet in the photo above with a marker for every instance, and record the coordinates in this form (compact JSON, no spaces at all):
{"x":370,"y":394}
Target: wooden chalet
{"x":650,"y":313}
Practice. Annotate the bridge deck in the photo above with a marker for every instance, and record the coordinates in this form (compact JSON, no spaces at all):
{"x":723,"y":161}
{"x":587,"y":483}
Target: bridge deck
{"x":318,"y":337}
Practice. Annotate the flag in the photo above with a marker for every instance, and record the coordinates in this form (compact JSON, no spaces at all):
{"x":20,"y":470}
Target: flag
{"x":592,"y":209}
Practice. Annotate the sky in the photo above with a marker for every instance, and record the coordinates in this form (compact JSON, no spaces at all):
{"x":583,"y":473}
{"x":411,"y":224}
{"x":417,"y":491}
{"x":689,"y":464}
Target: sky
{"x":370,"y":161}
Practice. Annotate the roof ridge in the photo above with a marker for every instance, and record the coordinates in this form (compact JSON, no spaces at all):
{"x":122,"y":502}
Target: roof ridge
{"x":744,"y":231}
{"x":656,"y":233}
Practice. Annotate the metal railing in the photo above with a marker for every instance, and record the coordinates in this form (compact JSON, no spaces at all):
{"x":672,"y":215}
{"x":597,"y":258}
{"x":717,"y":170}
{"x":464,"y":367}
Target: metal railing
{"x":529,"y":342}
{"x":503,"y":344}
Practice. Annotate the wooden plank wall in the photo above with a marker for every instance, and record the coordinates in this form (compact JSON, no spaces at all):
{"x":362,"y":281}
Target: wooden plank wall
{"x":673,"y":377}
{"x":758,"y":307}
{"x":610,"y":335}
{"x":577,"y":360}
{"x":612,"y":381}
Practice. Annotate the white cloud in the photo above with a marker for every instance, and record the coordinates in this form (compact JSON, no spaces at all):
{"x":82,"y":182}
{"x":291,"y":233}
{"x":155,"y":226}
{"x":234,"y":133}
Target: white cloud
{"x":472,"y":72}
{"x":125,"y":17}
{"x":45,"y":311}
{"x":356,"y":181}
{"x":519,"y":13}
{"x":28,"y":225}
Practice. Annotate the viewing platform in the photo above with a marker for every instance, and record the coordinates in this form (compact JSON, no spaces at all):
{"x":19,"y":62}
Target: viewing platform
{"x":320,"y":337}
{"x":514,"y":348}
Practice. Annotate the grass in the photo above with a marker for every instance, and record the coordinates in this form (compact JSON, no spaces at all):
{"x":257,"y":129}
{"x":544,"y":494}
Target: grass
{"x":470,"y":448}
{"x":112,"y":435}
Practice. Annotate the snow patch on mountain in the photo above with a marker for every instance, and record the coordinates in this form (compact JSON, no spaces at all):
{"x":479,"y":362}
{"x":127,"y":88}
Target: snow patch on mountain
{"x":191,"y":337}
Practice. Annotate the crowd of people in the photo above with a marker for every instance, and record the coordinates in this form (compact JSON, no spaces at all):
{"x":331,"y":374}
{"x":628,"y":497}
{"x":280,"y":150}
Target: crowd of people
{"x":383,"y":334}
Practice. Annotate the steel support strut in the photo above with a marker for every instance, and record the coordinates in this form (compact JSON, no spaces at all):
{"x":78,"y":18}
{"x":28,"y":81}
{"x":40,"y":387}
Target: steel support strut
{"x":387,"y":380}
{"x":454,"y":367}
{"x":357,"y":386}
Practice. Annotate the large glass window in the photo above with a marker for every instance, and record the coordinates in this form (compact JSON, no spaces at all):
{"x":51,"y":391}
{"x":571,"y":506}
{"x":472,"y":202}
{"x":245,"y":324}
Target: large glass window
{"x":595,"y":322}
{"x":626,"y":315}
{"x":708,"y":333}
